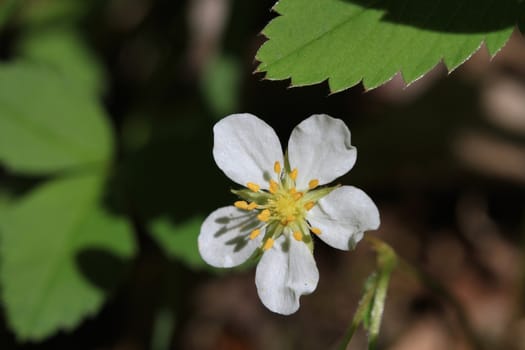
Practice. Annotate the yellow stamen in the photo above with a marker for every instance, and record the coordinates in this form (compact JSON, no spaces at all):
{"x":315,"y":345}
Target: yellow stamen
{"x":313,"y":184}
{"x":253,"y":187}
{"x":287,"y":220}
{"x":241,"y":205}
{"x":309,"y":205}
{"x":297,"y":195}
{"x":264,"y":215}
{"x":268,"y":244}
{"x":292,"y":190}
{"x":293,"y":174}
{"x":274,"y":186}
{"x":315,"y":230}
{"x":277,"y":167}
{"x":255,"y":233}
{"x":298,"y":235}
{"x":251,"y":206}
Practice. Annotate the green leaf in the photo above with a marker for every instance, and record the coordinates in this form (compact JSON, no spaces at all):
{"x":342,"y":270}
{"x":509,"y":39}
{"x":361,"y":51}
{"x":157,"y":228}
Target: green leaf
{"x":179,"y":241}
{"x":221,"y":85}
{"x":46,"y":124}
{"x":348,"y":41}
{"x":64,"y":50}
{"x":61,"y":255}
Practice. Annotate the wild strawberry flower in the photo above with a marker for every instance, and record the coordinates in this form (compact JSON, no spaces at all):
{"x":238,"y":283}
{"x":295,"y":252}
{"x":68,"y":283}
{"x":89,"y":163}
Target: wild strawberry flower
{"x":284,"y":203}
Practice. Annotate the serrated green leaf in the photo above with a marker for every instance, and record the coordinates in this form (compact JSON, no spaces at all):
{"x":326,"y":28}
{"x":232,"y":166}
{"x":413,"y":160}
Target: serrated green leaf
{"x":61,"y":254}
{"x":46,"y":124}
{"x":179,"y":241}
{"x":64,"y":50}
{"x":348,"y":41}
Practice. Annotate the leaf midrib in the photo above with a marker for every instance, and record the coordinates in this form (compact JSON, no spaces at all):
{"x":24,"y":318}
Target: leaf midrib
{"x":311,"y":41}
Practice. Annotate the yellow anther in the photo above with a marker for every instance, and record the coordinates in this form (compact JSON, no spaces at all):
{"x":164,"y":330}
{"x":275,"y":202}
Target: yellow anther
{"x":241,"y":205}
{"x":253,"y":187}
{"x":274,"y":186}
{"x":293,"y":174}
{"x":287,"y":220}
{"x":298,"y":235}
{"x":292,"y":190}
{"x":309,"y":205}
{"x":255,"y":233}
{"x":315,"y":230}
{"x":313,"y":184}
{"x":277,"y":167}
{"x":297,"y":195}
{"x":268,"y":244}
{"x":264,"y":215}
{"x":251,"y":206}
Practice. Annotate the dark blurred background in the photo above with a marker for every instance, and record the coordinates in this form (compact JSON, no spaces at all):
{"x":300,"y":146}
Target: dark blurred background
{"x":444,"y":159}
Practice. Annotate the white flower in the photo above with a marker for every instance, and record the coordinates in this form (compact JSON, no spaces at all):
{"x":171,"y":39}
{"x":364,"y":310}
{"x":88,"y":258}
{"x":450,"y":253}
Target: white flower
{"x":282,"y":204}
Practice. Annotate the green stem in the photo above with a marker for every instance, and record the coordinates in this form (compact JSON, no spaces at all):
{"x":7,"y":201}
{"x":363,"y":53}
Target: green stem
{"x":348,"y":336}
{"x":362,"y":309}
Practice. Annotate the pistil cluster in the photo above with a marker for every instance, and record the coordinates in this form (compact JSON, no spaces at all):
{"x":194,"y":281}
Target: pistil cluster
{"x":282,"y":208}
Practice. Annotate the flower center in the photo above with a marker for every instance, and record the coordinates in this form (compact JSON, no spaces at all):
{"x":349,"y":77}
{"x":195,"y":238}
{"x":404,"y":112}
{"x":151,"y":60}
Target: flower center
{"x":286,"y":206}
{"x":282,"y":209}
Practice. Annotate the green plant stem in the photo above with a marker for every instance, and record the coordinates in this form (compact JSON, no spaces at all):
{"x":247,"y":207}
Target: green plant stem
{"x":437,"y":288}
{"x":361,"y":311}
{"x":348,"y":335}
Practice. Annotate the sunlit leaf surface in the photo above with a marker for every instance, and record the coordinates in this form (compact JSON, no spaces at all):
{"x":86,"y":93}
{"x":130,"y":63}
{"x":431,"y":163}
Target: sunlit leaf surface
{"x":348,"y":41}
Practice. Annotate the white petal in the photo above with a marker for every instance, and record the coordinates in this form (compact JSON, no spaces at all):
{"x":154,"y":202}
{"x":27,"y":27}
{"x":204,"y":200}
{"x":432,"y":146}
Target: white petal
{"x":284,"y":273}
{"x":343,"y":216}
{"x":246,"y":149}
{"x":319,"y":147}
{"x":224,"y":238}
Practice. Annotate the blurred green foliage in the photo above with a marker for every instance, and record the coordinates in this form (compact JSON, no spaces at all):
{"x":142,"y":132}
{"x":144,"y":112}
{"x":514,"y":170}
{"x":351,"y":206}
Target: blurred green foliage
{"x":183,"y":245}
{"x":65,"y":51}
{"x":67,"y":232}
{"x":221,"y":85}
{"x":54,"y":242}
{"x":47,"y":124}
